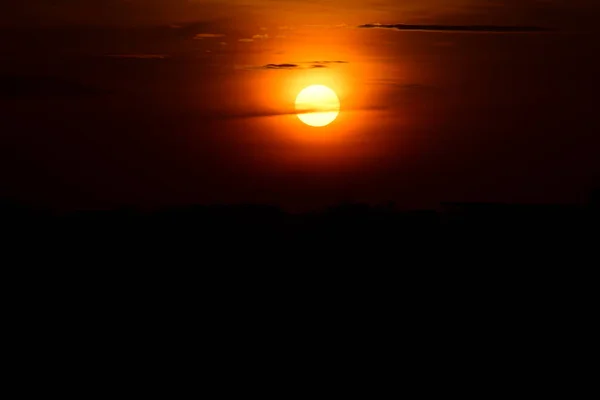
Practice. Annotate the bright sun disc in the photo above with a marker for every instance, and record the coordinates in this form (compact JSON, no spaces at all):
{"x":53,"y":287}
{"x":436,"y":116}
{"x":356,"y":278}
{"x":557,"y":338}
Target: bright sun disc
{"x":317,"y":106}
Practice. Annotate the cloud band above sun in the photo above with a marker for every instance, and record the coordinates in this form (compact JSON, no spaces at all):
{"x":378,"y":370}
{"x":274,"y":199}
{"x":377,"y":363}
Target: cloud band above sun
{"x":296,"y":66}
{"x":459,"y":28}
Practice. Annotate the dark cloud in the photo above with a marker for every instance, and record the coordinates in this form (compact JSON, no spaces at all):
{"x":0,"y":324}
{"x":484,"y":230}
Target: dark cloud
{"x":302,"y":65}
{"x":459,"y":28}
{"x":226,"y":115}
{"x":280,"y":66}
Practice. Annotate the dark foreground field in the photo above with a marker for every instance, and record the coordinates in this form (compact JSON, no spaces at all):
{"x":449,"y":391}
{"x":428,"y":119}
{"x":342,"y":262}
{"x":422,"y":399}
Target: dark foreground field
{"x":237,"y":231}
{"x":499,"y":281}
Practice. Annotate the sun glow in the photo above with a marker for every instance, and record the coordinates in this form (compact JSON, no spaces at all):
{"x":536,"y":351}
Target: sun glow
{"x":317,"y":106}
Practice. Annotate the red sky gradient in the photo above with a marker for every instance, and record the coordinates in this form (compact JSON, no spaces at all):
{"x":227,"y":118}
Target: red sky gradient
{"x":105,"y":103}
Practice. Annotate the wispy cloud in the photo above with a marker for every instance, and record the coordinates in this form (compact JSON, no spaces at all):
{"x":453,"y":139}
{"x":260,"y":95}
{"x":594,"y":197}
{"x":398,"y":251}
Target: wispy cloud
{"x":459,"y":28}
{"x":278,"y":66}
{"x":200,"y":36}
{"x":325,"y":26}
{"x":296,"y":66}
{"x":255,"y":38}
{"x":284,"y":112}
{"x":328,"y":62}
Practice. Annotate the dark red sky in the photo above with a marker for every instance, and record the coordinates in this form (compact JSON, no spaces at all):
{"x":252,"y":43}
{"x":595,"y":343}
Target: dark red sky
{"x":167,"y":102}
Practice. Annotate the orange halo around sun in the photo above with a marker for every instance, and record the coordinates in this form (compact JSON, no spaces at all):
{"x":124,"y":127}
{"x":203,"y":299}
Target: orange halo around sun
{"x":317,"y":106}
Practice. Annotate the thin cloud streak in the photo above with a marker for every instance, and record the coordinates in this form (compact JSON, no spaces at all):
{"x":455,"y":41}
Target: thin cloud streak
{"x":296,"y":66}
{"x":459,"y":28}
{"x":200,"y":36}
{"x":277,"y":113}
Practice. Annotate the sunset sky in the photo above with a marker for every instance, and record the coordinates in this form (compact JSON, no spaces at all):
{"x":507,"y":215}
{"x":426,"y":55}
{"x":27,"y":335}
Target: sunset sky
{"x":151,"y":102}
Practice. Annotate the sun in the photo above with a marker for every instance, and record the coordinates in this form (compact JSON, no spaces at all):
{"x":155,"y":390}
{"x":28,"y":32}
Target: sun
{"x":317,"y":106}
